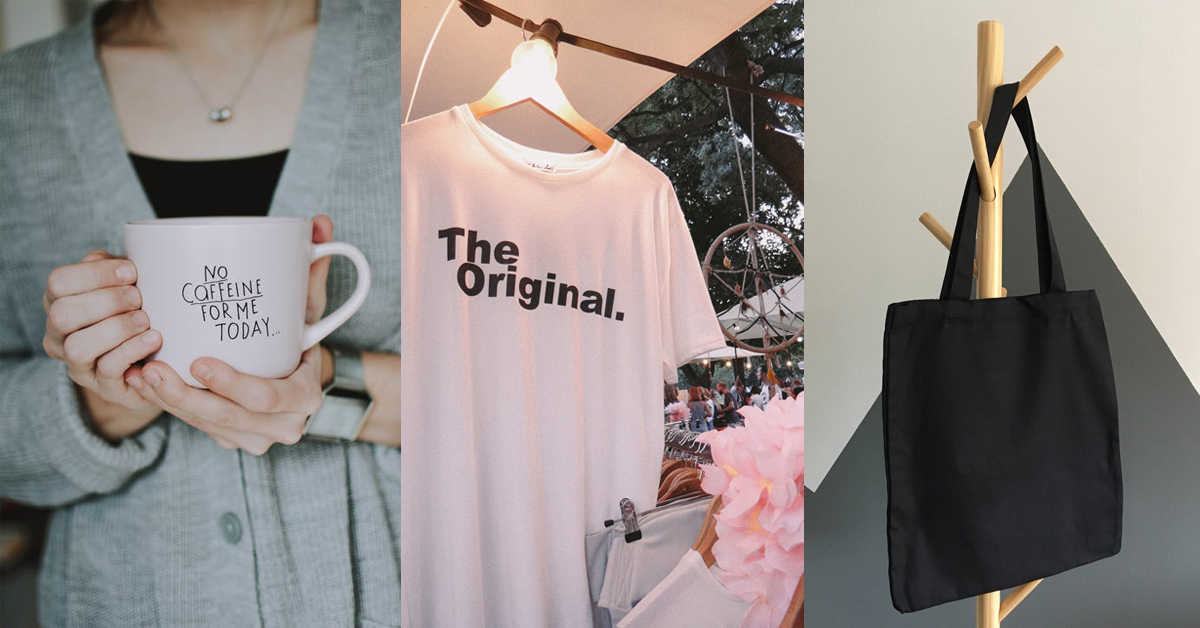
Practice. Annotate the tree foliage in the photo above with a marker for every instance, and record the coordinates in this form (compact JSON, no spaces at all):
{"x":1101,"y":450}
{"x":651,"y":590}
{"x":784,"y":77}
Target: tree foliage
{"x":686,"y":129}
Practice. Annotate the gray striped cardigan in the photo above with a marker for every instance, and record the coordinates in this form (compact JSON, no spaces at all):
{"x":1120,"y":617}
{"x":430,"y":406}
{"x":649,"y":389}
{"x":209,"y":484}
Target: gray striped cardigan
{"x":166,"y":528}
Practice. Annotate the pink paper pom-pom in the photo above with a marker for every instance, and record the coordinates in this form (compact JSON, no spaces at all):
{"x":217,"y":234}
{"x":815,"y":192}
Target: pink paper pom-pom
{"x":759,"y":474}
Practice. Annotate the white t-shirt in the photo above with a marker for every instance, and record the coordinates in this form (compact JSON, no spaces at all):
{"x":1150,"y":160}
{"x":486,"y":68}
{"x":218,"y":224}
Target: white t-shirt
{"x":691,"y":596}
{"x":546,"y":298}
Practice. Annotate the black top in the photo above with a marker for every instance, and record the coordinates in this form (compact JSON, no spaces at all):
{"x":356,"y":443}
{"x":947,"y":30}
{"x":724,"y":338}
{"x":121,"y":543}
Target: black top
{"x":220,"y":187}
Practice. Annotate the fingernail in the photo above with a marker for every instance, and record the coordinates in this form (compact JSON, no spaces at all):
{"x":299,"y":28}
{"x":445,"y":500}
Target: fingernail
{"x":135,"y":382}
{"x":149,"y":338}
{"x":140,"y":318}
{"x":201,"y":371}
{"x":153,"y":377}
{"x":134,"y":297}
{"x":126,"y":272}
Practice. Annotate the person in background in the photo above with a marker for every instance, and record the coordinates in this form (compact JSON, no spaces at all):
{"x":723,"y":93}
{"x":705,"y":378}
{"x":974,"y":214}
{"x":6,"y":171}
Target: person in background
{"x":682,"y":394}
{"x":726,"y":407}
{"x":699,"y":409}
{"x":739,"y":401}
{"x":712,"y":407}
{"x":763,"y":394}
{"x":670,"y":394}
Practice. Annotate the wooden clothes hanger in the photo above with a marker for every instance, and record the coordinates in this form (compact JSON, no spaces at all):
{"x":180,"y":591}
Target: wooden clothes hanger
{"x":708,"y":533}
{"x":531,"y":79}
{"x":794,"y":618}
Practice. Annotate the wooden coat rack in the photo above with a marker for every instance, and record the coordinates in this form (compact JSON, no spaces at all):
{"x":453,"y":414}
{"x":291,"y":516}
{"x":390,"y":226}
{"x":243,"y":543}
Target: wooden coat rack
{"x":989,"y":610}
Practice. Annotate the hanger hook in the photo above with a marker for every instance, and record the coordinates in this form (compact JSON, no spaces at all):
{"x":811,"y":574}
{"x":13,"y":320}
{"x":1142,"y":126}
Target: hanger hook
{"x":524,"y":36}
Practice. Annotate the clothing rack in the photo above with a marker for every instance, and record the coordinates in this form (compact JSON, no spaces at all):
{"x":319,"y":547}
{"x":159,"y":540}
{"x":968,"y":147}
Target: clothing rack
{"x":481,"y":12}
{"x":989,"y":610}
{"x":682,"y":445}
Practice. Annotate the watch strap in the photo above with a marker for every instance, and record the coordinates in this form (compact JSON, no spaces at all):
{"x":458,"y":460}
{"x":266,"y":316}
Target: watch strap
{"x":346,"y":402}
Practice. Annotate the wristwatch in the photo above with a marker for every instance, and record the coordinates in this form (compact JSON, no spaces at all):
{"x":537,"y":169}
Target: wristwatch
{"x":346,"y":402}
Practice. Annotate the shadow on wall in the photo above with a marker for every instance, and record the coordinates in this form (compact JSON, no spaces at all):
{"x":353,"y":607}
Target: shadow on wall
{"x":1155,"y":579}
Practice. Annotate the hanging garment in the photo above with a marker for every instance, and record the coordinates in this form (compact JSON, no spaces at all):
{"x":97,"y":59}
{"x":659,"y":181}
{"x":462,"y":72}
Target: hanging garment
{"x":620,"y":574}
{"x":548,"y":298}
{"x":1000,"y":420}
{"x":633,"y":569}
{"x":690,"y":596}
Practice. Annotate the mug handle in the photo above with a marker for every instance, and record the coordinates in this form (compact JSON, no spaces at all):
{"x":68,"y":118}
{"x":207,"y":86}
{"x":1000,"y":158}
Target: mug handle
{"x":317,"y":331}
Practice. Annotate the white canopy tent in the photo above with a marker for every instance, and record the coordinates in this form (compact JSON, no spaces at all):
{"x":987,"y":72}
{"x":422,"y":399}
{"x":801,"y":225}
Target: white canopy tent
{"x":466,"y":60}
{"x":728,"y":353}
{"x":734,"y":353}
{"x":783,"y":306}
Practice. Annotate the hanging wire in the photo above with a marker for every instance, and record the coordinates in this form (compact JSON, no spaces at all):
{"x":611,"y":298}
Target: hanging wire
{"x":421,"y":70}
{"x":753,"y":151}
{"x":738,"y":153}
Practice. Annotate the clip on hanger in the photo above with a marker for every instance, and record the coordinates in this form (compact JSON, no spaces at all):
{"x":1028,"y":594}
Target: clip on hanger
{"x":629,"y":516}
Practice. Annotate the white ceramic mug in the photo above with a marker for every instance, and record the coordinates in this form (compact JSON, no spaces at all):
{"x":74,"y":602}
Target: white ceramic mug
{"x":234,"y":289}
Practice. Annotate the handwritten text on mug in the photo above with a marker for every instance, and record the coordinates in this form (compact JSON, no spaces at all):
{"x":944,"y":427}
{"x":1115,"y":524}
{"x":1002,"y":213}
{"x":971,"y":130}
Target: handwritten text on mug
{"x":231,"y":306}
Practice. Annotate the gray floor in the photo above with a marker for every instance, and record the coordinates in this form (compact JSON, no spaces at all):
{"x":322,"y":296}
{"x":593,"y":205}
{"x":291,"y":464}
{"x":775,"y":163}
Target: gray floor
{"x":1154,"y":582}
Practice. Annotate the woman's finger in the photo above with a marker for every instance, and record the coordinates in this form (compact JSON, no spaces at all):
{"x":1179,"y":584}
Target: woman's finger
{"x":319,"y":271}
{"x":258,"y":394}
{"x":96,"y":255}
{"x":225,"y":437}
{"x":87,"y":345}
{"x":286,"y":428}
{"x":202,"y":405}
{"x":88,"y":276}
{"x":72,"y":313}
{"x":116,"y":362}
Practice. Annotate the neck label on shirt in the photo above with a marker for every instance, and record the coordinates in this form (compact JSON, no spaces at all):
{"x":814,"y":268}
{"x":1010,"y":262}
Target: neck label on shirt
{"x":474,"y":280}
{"x":544,"y":167}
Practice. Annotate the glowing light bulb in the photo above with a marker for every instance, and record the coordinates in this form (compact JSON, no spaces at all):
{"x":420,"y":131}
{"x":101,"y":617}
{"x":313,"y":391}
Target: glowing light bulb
{"x":747,"y":363}
{"x":789,"y":364}
{"x":728,"y":364}
{"x":535,"y":58}
{"x":705,"y":361}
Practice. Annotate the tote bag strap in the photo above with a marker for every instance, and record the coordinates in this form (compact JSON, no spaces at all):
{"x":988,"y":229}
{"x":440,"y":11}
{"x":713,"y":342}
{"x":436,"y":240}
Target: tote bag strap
{"x":958,"y":280}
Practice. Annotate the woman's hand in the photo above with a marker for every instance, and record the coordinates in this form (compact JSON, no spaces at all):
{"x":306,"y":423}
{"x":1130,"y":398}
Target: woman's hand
{"x":238,"y":411}
{"x":94,"y":323}
{"x":241,"y":411}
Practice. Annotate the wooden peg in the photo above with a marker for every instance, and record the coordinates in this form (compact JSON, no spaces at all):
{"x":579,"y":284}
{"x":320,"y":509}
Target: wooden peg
{"x":947,"y":240}
{"x":1038,"y":72}
{"x":983,"y":169}
{"x":1016,"y":597}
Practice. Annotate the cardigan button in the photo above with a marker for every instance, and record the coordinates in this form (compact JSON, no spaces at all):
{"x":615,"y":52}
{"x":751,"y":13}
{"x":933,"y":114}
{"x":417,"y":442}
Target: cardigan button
{"x":231,"y":528}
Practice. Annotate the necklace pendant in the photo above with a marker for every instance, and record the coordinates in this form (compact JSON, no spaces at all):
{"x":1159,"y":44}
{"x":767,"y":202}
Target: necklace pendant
{"x":222,"y":114}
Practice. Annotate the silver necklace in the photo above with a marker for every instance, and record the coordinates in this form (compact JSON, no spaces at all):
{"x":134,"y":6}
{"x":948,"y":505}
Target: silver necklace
{"x":222,"y":113}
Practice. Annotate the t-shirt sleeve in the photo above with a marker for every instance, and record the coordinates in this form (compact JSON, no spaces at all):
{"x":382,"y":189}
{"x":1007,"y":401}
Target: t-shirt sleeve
{"x":689,"y":323}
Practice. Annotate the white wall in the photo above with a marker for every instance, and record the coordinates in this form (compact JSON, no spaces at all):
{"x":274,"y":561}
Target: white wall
{"x":892,"y":88}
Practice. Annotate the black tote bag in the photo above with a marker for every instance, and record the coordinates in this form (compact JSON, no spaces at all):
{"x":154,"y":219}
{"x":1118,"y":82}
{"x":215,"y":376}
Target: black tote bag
{"x":1000,"y":421}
